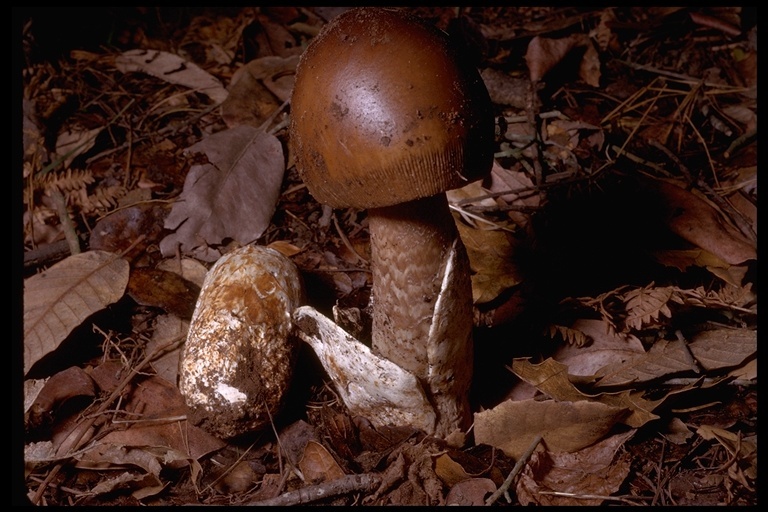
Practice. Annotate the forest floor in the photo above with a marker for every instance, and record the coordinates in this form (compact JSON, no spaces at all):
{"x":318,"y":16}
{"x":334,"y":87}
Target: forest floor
{"x":613,"y":249}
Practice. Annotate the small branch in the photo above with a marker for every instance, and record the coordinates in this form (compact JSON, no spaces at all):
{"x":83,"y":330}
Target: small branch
{"x":518,"y":467}
{"x":344,"y":485}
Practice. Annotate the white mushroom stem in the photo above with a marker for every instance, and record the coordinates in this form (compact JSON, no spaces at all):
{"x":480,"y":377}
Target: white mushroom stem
{"x":422,"y":302}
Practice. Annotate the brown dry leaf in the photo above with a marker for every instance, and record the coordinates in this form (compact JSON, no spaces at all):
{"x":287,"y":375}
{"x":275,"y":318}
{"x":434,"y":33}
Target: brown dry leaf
{"x":173,"y":69}
{"x":491,"y":259}
{"x":551,"y":378}
{"x":449,"y":471}
{"x":743,"y":450}
{"x":60,"y":387}
{"x":723,"y":348}
{"x":257,"y":90}
{"x":607,"y":347}
{"x":543,"y":54}
{"x":157,"y":425}
{"x":594,"y":471}
{"x":145,"y":485}
{"x":470,"y":492}
{"x":120,"y":229}
{"x":694,"y":220}
{"x":232,"y":196}
{"x":318,"y":465}
{"x":664,"y":358}
{"x":564,"y":426}
{"x":163,"y":289}
{"x":504,"y":89}
{"x":59,"y":299}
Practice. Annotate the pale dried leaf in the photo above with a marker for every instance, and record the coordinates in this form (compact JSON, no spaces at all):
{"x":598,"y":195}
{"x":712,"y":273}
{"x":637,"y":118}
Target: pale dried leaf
{"x":504,"y":89}
{"x":564,"y":426}
{"x":317,"y":465}
{"x":173,"y":69}
{"x":589,"y":68}
{"x":232,"y":196}
{"x":664,"y":358}
{"x":74,"y":142}
{"x":723,"y":348}
{"x":59,"y":299}
{"x":607,"y":347}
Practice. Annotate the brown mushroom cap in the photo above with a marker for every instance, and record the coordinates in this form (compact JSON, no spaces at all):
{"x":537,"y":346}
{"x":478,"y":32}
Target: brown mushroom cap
{"x":384,"y":111}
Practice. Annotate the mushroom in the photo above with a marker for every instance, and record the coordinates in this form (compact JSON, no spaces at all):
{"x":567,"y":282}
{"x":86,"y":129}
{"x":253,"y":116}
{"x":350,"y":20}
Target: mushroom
{"x":238,"y":360}
{"x":386,"y":115}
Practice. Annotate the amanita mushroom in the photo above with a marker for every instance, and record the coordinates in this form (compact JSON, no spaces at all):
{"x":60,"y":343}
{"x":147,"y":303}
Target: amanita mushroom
{"x":387,"y":116}
{"x":237,"y":363}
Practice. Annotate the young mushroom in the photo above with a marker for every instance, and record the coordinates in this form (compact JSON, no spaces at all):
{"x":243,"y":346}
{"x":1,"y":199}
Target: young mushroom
{"x":386,"y":115}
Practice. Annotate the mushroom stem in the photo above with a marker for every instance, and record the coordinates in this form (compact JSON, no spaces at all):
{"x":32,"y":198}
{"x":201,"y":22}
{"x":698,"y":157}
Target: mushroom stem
{"x":422,"y":297}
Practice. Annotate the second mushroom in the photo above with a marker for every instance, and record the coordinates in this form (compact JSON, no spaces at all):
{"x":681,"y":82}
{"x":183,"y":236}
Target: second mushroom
{"x":386,"y":115}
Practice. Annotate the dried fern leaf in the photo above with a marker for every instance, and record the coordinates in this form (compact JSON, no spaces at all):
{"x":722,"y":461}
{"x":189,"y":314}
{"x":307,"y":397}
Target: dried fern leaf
{"x":572,"y":336}
{"x":646,"y":305}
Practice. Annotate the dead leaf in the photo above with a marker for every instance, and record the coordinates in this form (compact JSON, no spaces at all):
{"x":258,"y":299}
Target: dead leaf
{"x":167,"y":329}
{"x":449,"y":471}
{"x":59,"y":299}
{"x":522,"y":191}
{"x":119,"y":230}
{"x":60,"y":387}
{"x":607,"y":347}
{"x":257,"y":89}
{"x":723,"y":348}
{"x":594,"y":471}
{"x":543,"y":54}
{"x":317,"y":465}
{"x":491,"y":259}
{"x":551,"y":378}
{"x":74,"y":142}
{"x":172,"y":69}
{"x":505,"y":89}
{"x":663,"y":358}
{"x":163,"y":289}
{"x":694,"y":220}
{"x":470,"y":492}
{"x":232,"y":196}
{"x":564,"y":426}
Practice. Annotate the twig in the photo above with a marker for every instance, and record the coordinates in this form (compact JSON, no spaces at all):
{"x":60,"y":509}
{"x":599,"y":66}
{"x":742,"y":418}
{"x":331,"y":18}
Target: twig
{"x":518,"y":467}
{"x":346,"y":484}
{"x":76,"y":444}
{"x":66,"y":223}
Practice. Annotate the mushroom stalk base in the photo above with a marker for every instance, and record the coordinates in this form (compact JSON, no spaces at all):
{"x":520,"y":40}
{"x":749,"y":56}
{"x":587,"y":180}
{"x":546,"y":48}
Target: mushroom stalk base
{"x":419,"y":369}
{"x":422,"y":302}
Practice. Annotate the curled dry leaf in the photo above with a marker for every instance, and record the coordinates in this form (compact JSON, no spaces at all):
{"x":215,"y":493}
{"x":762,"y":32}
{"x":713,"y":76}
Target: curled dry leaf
{"x":173,"y":69}
{"x":543,"y":54}
{"x":59,"y":299}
